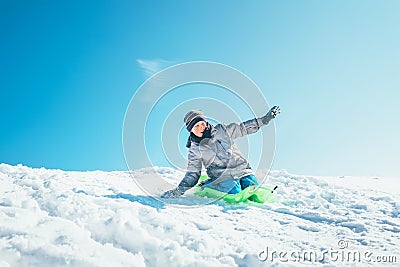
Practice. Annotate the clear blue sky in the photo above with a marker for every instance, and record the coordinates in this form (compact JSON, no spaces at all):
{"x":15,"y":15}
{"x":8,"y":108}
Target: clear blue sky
{"x":68,"y":70}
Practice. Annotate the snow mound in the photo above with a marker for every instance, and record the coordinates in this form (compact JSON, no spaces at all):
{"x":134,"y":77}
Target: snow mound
{"x":59,"y":218}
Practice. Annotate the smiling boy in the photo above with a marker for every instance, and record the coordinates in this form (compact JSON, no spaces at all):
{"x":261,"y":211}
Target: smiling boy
{"x":213,"y":147}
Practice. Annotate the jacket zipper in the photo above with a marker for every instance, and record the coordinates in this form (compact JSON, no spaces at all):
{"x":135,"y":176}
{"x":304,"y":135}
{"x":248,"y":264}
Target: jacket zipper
{"x":219,"y":142}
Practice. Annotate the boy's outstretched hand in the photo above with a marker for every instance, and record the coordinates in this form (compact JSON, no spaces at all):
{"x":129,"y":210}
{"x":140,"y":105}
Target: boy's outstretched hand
{"x":272,"y":113}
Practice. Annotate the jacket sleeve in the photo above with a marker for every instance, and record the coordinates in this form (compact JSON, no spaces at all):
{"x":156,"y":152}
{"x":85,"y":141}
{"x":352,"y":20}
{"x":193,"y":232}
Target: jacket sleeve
{"x":236,"y":130}
{"x":193,"y":170}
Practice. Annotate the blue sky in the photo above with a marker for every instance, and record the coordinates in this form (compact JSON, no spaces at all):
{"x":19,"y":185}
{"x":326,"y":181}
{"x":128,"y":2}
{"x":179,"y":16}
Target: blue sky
{"x":68,"y":70}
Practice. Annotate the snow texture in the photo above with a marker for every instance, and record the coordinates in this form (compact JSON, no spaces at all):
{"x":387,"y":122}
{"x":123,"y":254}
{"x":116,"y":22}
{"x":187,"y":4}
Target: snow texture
{"x":59,"y":218}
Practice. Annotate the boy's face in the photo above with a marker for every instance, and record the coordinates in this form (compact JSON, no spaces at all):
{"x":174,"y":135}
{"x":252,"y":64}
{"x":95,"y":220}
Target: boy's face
{"x":199,"y":128}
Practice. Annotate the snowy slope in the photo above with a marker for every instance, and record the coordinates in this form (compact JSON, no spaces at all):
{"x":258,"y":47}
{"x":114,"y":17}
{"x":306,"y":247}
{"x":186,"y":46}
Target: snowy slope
{"x":57,"y":218}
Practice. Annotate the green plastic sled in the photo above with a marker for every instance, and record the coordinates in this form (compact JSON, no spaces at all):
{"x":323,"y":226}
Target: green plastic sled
{"x":259,"y":194}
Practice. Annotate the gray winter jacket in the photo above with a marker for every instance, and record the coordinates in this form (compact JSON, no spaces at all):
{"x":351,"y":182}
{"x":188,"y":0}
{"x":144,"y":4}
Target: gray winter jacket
{"x":219,"y":154}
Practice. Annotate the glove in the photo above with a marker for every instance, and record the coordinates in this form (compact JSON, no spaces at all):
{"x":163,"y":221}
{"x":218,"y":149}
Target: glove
{"x":272,"y":113}
{"x":173,"y":193}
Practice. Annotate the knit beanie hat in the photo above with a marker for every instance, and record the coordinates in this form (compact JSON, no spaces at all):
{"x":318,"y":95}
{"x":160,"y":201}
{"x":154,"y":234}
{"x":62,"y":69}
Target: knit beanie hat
{"x":193,"y":117}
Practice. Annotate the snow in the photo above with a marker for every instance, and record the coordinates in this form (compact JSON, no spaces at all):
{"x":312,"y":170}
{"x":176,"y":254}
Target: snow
{"x":59,"y":218}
